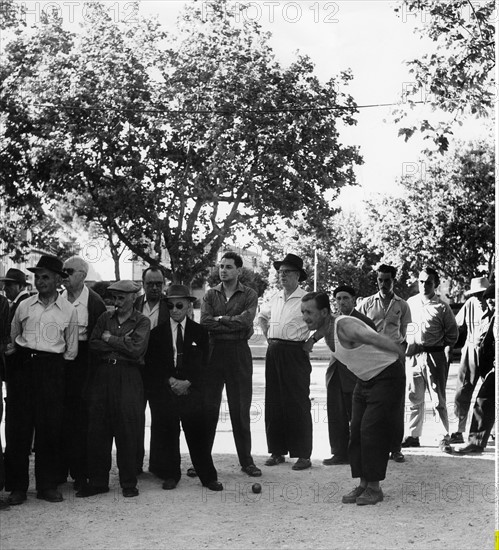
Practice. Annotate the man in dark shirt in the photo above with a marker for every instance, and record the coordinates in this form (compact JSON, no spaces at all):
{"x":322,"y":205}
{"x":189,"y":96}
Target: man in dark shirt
{"x":228,"y":311}
{"x":115,"y":396}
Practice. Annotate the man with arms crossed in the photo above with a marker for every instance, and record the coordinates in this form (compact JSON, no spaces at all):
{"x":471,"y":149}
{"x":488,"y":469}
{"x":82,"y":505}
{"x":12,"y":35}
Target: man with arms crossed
{"x":228,"y":311}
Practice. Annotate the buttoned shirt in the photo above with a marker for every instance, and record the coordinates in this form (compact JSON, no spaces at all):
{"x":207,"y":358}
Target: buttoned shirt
{"x":391,"y":322}
{"x":284,"y":317}
{"x":81,"y":305}
{"x":475,"y":318}
{"x":174,"y":329}
{"x":433,"y":323}
{"x":128,"y":340}
{"x":151,"y":312}
{"x":52,"y":328}
{"x":238,"y":312}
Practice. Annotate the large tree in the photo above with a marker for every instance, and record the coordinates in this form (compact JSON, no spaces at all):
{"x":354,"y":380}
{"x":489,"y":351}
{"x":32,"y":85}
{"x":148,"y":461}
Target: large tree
{"x":444,"y":218}
{"x":172,"y":148}
{"x":457,"y":77}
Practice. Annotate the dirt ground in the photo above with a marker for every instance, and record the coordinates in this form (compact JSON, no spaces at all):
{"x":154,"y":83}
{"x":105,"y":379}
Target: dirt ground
{"x":432,"y":501}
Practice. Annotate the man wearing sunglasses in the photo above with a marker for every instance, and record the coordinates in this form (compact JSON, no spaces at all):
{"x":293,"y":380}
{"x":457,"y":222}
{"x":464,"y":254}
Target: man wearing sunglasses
{"x":152,"y":304}
{"x":228,"y":311}
{"x":173,"y":378}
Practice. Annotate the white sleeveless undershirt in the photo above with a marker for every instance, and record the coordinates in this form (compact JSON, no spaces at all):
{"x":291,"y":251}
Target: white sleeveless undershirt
{"x":365,"y":361}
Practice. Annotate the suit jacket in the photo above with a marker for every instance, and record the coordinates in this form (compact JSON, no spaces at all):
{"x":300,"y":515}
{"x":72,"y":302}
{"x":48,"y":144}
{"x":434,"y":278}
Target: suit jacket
{"x":164,"y":313}
{"x":160,"y":365}
{"x":9,"y":362}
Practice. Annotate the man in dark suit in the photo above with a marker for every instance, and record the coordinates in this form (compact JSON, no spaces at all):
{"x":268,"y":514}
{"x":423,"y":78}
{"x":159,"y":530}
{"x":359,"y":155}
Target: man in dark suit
{"x":173,"y":378}
{"x":152,"y":304}
{"x":340,"y":383}
{"x":4,"y":339}
{"x":89,"y":306}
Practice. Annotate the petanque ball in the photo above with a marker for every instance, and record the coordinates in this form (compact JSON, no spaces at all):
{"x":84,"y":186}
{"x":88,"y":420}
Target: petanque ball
{"x":256,"y":488}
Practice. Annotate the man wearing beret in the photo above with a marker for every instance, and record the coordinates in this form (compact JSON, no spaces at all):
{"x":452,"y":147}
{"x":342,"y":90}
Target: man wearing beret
{"x":115,"y":394}
{"x":173,"y":380}
{"x":45,"y":334}
{"x":288,"y":421}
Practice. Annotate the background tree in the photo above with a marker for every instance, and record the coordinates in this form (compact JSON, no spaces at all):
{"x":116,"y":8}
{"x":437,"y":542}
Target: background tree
{"x":445,"y":218}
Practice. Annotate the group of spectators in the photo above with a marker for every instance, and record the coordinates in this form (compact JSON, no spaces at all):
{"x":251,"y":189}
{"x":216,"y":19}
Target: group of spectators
{"x":79,"y":375}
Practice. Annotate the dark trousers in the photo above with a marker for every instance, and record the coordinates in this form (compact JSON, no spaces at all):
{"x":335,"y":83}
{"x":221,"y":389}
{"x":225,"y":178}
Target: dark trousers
{"x":231,"y":364}
{"x":2,"y":467}
{"x":75,"y":422}
{"x":467,"y":378}
{"x":340,"y":385}
{"x":483,"y":412}
{"x":288,"y":422}
{"x":115,"y":410}
{"x":375,"y":405}
{"x":35,"y":400}
{"x":168,"y":411}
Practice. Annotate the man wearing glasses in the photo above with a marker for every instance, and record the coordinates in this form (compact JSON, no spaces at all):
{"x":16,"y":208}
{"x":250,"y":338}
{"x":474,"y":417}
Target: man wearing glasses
{"x":288,"y":421}
{"x":173,"y":379}
{"x":152,"y":304}
{"x":228,"y":311}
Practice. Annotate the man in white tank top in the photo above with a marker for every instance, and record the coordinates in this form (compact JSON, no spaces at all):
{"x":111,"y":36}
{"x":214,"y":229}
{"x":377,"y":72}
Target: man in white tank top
{"x":378,"y":362}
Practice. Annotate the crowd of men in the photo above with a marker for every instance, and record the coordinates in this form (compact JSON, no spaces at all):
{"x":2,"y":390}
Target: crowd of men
{"x":80,"y":375}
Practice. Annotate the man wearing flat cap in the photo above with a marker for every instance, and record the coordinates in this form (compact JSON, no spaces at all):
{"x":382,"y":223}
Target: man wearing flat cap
{"x":115,"y":393}
{"x":173,"y":378}
{"x":288,"y":421}
{"x":473,"y":319}
{"x":45,"y":333}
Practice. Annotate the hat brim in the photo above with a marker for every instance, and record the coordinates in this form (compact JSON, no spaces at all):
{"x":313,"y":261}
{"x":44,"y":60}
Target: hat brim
{"x":63,"y":274}
{"x":9,"y":280}
{"x":303,"y":273}
{"x":473,"y":292}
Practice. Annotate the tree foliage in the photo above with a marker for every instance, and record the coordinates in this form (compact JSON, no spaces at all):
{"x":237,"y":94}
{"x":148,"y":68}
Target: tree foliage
{"x":458,"y":76}
{"x":444,"y":218}
{"x":170,"y":148}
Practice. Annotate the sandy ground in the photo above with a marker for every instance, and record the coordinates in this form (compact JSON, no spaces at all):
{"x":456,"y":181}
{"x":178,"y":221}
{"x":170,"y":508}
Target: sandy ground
{"x":432,"y":501}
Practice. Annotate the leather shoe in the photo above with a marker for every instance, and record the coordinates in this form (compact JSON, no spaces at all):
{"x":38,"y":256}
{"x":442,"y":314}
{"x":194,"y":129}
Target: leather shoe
{"x":274,"y":460}
{"x":252,"y":470}
{"x":335,"y":460}
{"x":214,"y":486}
{"x":469,"y":449}
{"x":351,"y":497}
{"x":444,"y":446}
{"x":4,"y":505}
{"x":397,"y":456}
{"x":302,"y":464}
{"x":130,"y":492}
{"x":456,"y":437}
{"x":79,"y":483}
{"x":410,"y":441}
{"x":169,"y":484}
{"x":191,"y":472}
{"x":90,"y":491}
{"x":370,"y":496}
{"x":16,"y":498}
{"x":50,"y":495}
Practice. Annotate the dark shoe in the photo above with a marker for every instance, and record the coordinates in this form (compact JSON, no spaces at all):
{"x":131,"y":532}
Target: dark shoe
{"x":397,"y":456}
{"x":369,"y":496}
{"x":4,"y":505}
{"x":79,"y":483}
{"x":191,"y":472}
{"x":456,"y":437}
{"x":351,"y":497}
{"x":169,"y":484}
{"x":50,"y":495}
{"x":251,"y":470}
{"x":214,"y":486}
{"x":90,"y":491}
{"x":444,"y":446}
{"x":471,"y":448}
{"x":335,"y":460}
{"x":302,"y":464}
{"x":274,"y":460}
{"x":129,"y":492}
{"x":16,"y":498}
{"x":410,"y":441}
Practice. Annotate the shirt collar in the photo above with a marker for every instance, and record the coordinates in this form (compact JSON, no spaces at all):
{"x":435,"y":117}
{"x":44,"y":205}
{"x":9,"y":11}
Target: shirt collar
{"x":20,"y":295}
{"x":82,"y":298}
{"x":239,"y":288}
{"x":57,"y":302}
{"x":174,"y":324}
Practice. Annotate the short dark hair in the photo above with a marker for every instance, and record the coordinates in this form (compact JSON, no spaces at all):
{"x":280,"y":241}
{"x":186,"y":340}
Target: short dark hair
{"x":344,"y":288}
{"x":154,"y":269}
{"x":433,"y":272}
{"x":229,"y":255}
{"x":321,"y":299}
{"x":384,"y":268}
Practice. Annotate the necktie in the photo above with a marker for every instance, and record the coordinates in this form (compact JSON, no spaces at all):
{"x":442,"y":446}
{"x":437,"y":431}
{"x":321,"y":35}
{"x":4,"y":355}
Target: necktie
{"x":180,"y":346}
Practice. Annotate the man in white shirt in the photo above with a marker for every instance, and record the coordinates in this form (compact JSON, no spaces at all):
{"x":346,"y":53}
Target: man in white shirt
{"x":288,"y":421}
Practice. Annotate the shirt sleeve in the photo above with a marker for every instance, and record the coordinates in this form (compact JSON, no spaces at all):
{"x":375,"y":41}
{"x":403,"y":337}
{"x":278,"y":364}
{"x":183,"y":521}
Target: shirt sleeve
{"x":71,"y":337}
{"x":96,"y":343}
{"x":135,"y":346}
{"x":208,"y":313}
{"x":451,"y":331}
{"x":246,"y":317}
{"x":405,"y":319}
